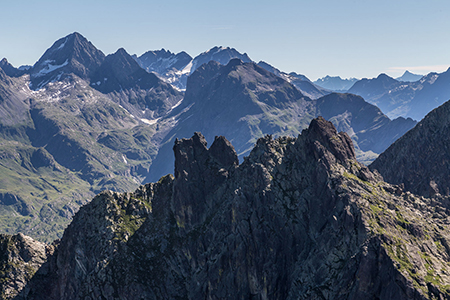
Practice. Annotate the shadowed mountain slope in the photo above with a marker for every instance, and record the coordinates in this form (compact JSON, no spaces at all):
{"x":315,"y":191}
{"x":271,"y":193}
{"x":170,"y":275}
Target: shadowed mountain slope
{"x":421,"y":158}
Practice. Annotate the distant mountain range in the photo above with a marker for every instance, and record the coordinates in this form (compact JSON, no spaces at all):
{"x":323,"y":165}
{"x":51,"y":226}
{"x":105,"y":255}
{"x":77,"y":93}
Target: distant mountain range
{"x":409,"y":77}
{"x":407,"y":99}
{"x":175,"y":68}
{"x":335,"y":83}
{"x":301,"y":82}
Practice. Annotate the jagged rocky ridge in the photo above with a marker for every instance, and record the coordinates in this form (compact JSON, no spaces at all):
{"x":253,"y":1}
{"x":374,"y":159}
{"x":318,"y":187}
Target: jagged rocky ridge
{"x":300,"y":218}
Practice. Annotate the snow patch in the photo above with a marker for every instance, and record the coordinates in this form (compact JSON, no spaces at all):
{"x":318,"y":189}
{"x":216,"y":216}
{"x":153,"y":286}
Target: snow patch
{"x":150,"y":122}
{"x":62,"y":45}
{"x":50,"y":68}
{"x":124,"y":159}
{"x":177,"y":104}
{"x":187,"y":69}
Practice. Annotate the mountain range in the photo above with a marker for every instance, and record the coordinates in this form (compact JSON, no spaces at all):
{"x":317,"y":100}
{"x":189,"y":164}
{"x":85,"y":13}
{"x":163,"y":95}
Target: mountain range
{"x":407,"y":99}
{"x":244,"y":101}
{"x":278,"y":207}
{"x":335,"y":83}
{"x":299,"y":218}
{"x":79,"y":121}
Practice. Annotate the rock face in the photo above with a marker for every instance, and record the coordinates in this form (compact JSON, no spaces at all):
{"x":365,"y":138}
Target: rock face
{"x":20,"y":258}
{"x":300,"y":218}
{"x":420,"y":159}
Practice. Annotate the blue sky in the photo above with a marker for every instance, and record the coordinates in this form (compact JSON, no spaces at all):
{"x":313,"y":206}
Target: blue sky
{"x":351,"y":38}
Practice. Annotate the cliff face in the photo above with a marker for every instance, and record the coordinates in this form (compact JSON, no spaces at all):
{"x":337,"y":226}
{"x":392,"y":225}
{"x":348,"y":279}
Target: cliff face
{"x":20,"y":258}
{"x":298,"y":219}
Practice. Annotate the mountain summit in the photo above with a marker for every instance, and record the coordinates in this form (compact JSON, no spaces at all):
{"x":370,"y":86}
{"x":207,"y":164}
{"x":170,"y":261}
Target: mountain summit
{"x":71,"y":54}
{"x":221,"y":55}
{"x":409,"y":77}
{"x":335,"y":83}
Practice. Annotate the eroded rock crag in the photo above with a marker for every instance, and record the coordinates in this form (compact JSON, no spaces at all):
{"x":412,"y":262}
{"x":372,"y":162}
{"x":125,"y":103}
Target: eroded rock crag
{"x":299,"y":218}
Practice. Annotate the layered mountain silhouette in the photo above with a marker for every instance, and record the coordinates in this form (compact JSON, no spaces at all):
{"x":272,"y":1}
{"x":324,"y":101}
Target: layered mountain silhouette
{"x":162,"y":61}
{"x":409,"y":77}
{"x":278,"y":206}
{"x":244,"y":101}
{"x":370,"y":129}
{"x":301,"y":82}
{"x":335,"y":83}
{"x":407,"y":99}
{"x":175,"y":68}
{"x":69,"y":130}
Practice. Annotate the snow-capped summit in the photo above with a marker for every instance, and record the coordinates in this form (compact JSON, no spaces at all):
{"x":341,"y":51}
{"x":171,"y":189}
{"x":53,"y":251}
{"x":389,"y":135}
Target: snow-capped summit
{"x":220,"y":54}
{"x":70,"y":54}
{"x":162,"y":61}
{"x":336,"y":83}
{"x":175,"y":68}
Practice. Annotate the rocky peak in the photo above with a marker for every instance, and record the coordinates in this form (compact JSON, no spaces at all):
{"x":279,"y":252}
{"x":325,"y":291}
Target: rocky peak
{"x":71,"y":54}
{"x":9,"y":69}
{"x":409,"y":77}
{"x":220,"y":54}
{"x":192,"y":153}
{"x":162,"y":61}
{"x":120,"y":71}
{"x":339,"y":144}
{"x":223,"y":152}
{"x":198,"y":172}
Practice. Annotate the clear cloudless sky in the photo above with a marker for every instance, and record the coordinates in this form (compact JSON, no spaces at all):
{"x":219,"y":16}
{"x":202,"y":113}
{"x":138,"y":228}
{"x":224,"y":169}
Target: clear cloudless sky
{"x":349,"y":38}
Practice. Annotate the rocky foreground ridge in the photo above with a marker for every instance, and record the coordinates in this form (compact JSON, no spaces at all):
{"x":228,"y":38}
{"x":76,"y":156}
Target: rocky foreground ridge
{"x":300,"y":218}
